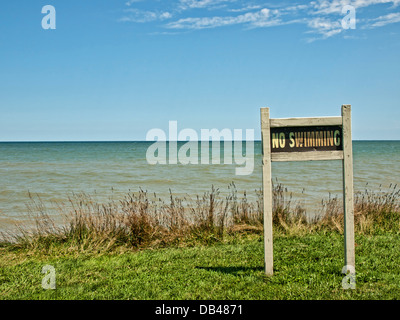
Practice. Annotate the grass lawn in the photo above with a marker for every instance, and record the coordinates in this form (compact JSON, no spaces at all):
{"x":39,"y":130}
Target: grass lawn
{"x":305,"y":267}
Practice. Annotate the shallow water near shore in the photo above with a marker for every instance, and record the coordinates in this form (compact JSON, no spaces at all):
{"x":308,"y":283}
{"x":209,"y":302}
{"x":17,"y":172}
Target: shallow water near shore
{"x":108,"y":170}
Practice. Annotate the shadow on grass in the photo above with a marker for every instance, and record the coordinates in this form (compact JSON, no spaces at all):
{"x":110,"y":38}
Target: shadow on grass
{"x":232,"y":270}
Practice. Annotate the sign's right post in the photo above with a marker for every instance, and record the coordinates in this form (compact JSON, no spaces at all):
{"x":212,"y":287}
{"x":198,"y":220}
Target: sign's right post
{"x":348,"y":192}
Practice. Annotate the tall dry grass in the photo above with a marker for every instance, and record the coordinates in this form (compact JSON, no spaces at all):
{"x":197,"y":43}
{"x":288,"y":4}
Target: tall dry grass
{"x":143,"y":220}
{"x":374,"y":211}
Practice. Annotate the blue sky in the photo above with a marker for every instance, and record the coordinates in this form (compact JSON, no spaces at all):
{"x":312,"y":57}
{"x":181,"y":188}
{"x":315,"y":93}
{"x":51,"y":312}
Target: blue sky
{"x":113,"y":70}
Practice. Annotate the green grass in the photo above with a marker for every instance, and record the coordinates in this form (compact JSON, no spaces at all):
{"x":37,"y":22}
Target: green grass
{"x":202,"y":248}
{"x":305,"y":267}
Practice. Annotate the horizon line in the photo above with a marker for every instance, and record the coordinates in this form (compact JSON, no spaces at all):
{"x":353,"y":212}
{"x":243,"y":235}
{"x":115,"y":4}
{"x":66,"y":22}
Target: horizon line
{"x":103,"y":141}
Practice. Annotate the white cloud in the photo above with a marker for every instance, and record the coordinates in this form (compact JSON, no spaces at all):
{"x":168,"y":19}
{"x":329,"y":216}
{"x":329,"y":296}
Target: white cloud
{"x":320,"y":17}
{"x":384,"y":20}
{"x":218,"y":21}
{"x":140,"y":16}
{"x":195,"y":4}
{"x":130,"y":2}
{"x":246,"y":8}
{"x":325,"y":27}
{"x":323,"y":24}
{"x":335,"y":6}
{"x":165,"y":15}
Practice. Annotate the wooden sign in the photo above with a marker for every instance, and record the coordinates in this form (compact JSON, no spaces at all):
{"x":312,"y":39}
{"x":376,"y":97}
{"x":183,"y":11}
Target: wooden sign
{"x":304,"y":139}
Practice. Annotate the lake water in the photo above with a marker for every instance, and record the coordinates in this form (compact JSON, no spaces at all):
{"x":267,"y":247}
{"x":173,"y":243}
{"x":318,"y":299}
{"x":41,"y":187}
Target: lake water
{"x":53,"y":170}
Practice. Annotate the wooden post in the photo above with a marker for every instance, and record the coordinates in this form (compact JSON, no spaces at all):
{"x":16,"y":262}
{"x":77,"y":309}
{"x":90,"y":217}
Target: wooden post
{"x":267,"y":191}
{"x":348,"y":192}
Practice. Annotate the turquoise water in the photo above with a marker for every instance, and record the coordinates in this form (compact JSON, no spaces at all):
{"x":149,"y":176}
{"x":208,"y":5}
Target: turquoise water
{"x":54,"y":170}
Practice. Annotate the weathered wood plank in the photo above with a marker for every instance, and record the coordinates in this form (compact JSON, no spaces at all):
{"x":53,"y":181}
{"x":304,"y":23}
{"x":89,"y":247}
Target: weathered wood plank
{"x":267,"y":191}
{"x":299,"y":122}
{"x":307,"y":156}
{"x":348,"y":192}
